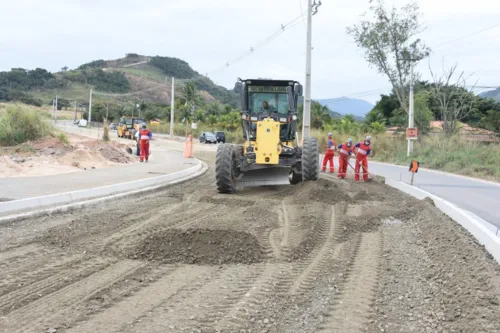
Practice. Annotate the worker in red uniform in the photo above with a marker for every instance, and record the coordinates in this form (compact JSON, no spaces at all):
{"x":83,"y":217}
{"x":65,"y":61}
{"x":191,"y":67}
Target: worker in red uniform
{"x":329,"y":153}
{"x":345,"y":151}
{"x":145,"y":135}
{"x":362,"y":151}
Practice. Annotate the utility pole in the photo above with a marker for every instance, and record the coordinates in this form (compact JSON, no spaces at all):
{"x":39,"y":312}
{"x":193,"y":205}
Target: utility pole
{"x":306,"y":121}
{"x":90,"y":108}
{"x":411,"y":112}
{"x":172,"y":108}
{"x":53,"y":108}
{"x":74,"y":113}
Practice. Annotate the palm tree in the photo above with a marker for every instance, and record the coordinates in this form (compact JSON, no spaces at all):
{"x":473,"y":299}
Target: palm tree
{"x":320,"y":115}
{"x":347,"y":125}
{"x":190,"y":91}
{"x":349,"y":117}
{"x":377,"y":128}
{"x":374,"y":116}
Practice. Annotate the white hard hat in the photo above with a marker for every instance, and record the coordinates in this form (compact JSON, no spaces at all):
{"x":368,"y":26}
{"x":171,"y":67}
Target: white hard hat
{"x":330,"y":134}
{"x":368,"y":137}
{"x":349,"y":140}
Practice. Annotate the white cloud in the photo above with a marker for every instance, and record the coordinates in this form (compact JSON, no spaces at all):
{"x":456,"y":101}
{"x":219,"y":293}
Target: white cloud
{"x":207,"y":34}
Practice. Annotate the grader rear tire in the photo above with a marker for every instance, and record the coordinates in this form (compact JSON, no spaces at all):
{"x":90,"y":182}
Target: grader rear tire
{"x":224,"y":169}
{"x":310,"y":160}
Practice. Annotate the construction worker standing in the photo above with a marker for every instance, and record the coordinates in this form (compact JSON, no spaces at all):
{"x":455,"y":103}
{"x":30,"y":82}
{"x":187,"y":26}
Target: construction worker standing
{"x":363,"y":150}
{"x":145,"y":136}
{"x":345,"y":151}
{"x":329,"y":153}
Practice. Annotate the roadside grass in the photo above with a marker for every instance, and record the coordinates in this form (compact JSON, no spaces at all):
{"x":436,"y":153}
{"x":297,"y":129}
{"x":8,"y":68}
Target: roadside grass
{"x":455,"y":155}
{"x":20,"y":123}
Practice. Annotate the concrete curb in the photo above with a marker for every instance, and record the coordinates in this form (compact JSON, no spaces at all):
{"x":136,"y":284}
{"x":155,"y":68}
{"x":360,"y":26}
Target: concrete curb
{"x":16,"y":206}
{"x":482,"y":230}
{"x":88,"y":203}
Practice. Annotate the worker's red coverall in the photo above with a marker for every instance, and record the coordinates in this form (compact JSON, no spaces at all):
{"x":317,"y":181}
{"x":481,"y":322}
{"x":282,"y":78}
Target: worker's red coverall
{"x":362,"y":160}
{"x":329,"y":156}
{"x":144,"y":136}
{"x":344,"y":153}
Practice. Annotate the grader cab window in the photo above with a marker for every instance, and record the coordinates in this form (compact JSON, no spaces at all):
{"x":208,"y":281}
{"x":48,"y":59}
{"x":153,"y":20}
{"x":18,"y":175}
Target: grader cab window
{"x":276,"y":99}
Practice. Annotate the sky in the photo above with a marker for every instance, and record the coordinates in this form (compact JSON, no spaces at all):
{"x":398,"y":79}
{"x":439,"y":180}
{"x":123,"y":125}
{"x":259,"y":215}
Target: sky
{"x":209,"y":33}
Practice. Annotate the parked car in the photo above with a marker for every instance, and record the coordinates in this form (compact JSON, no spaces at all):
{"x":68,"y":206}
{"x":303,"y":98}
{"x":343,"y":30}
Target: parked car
{"x":113,"y":127}
{"x":207,"y":137}
{"x":221,"y":138}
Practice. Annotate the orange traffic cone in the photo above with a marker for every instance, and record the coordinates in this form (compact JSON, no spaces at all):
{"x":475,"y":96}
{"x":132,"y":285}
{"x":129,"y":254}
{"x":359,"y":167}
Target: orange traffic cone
{"x":188,"y":147}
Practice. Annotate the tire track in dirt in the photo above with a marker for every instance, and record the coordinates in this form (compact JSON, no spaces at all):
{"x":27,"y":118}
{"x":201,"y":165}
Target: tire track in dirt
{"x":142,"y":302}
{"x":327,"y":252}
{"x":52,"y":309}
{"x":243,"y":310}
{"x":52,"y":278}
{"x":286,"y":225}
{"x":22,"y":263}
{"x":351,"y":312}
{"x":21,"y":251}
{"x":181,"y":305}
{"x":231,"y":295}
{"x":202,"y":308}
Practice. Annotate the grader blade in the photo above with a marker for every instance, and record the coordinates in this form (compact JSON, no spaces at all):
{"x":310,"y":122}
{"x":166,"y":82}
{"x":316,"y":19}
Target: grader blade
{"x":266,"y":176}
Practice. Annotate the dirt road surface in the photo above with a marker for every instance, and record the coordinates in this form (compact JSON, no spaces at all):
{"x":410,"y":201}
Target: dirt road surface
{"x":325,"y":256}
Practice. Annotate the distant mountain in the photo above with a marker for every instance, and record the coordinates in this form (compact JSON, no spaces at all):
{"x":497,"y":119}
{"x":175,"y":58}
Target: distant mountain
{"x":345,"y":105}
{"x":495,"y":94}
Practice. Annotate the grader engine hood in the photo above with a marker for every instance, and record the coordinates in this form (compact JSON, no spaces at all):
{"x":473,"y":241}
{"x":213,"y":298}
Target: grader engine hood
{"x":267,"y":147}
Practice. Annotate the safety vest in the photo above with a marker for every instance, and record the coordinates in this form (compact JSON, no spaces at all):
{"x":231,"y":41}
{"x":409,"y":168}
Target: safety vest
{"x":363,"y":150}
{"x":144,"y":134}
{"x":332,"y":144}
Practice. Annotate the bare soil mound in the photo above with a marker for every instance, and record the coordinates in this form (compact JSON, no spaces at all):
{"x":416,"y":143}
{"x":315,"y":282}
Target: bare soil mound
{"x":321,"y":190}
{"x":200,"y":246}
{"x":50,"y":156}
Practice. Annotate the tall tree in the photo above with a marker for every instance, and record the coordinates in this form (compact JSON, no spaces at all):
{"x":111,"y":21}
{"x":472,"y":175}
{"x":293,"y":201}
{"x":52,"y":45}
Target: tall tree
{"x":456,"y":102}
{"x":390,"y":44}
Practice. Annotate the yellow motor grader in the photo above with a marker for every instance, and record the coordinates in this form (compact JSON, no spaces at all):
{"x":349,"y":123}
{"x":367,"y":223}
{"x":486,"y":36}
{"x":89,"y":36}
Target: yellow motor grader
{"x":271,"y":154}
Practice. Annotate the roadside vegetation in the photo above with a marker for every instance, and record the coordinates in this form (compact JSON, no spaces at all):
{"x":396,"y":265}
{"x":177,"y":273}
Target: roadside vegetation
{"x":20,"y":123}
{"x":452,"y":154}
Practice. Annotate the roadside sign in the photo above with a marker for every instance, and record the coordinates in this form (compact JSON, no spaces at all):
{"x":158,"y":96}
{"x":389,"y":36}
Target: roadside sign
{"x":194,"y":125}
{"x":411,"y":133}
{"x":414,"y":166}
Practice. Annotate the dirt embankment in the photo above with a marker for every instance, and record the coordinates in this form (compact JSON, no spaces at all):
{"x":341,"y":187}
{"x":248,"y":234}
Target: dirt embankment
{"x":51,"y":155}
{"x":325,"y":256}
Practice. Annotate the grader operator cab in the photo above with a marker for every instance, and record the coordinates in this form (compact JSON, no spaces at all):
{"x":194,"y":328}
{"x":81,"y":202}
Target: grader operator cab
{"x":271,"y":154}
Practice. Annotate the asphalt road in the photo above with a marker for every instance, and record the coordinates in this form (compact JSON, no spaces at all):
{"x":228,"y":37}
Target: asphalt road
{"x":479,"y":197}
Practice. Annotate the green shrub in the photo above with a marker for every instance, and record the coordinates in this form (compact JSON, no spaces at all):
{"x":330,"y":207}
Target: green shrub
{"x":63,"y":138}
{"x":19,"y":123}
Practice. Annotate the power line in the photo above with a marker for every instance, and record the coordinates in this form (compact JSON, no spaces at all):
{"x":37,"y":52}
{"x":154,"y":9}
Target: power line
{"x":252,"y":49}
{"x":467,"y":36}
{"x":302,"y":14}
